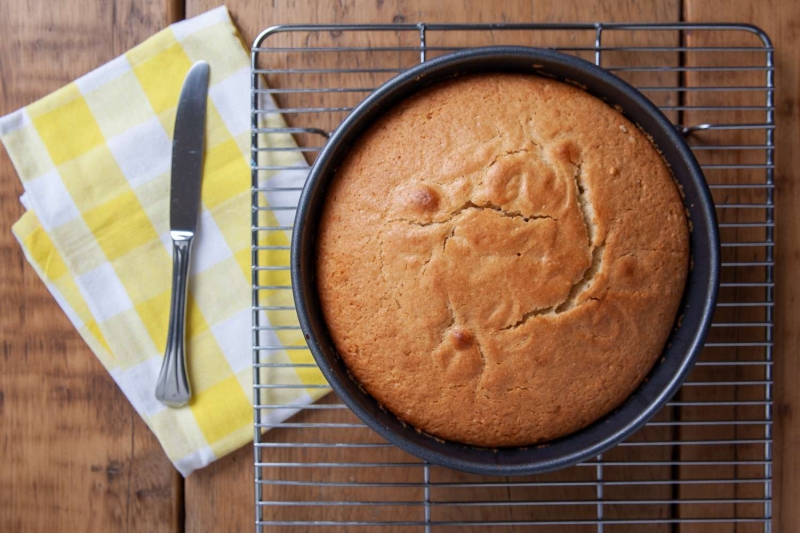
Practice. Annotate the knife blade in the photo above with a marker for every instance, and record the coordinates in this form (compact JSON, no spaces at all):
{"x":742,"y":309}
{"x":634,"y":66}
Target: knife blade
{"x":173,"y":388}
{"x":187,"y":150}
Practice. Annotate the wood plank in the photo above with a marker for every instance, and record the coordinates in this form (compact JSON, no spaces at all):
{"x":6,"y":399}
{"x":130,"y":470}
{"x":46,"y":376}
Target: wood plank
{"x":204,"y":488}
{"x":76,"y":456}
{"x":779,"y":19}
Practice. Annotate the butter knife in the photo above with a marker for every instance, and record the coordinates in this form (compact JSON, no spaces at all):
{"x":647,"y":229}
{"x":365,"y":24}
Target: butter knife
{"x":173,"y":387}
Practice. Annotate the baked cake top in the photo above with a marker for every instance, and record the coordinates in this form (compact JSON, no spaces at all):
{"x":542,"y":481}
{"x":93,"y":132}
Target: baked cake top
{"x":501,"y":258}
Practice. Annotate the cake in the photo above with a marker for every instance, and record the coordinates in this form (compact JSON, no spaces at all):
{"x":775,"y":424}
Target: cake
{"x":500,"y":259}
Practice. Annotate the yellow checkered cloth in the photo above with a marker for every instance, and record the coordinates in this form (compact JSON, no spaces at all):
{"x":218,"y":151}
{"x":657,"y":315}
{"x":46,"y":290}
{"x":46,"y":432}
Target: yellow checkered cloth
{"x":94,"y":159}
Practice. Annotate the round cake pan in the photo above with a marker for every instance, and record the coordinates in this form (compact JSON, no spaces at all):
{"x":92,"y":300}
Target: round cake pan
{"x":696,"y":309}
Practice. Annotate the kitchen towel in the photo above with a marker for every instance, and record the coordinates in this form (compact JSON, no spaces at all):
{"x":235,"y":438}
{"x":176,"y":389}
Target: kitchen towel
{"x":94,"y":159}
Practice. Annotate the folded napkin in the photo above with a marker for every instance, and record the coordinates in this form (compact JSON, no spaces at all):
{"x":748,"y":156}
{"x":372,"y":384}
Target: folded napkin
{"x":94,"y":159}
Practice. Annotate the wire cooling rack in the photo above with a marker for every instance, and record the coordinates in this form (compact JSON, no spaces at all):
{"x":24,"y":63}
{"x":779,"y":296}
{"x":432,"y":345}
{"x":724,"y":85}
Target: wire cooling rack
{"x":703,"y":464}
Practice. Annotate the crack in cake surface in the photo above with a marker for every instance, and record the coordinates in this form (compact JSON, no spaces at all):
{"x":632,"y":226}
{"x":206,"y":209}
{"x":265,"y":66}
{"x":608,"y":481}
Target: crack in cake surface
{"x":469,"y":205}
{"x":508,"y":153}
{"x":586,"y":210}
{"x":596,"y":252}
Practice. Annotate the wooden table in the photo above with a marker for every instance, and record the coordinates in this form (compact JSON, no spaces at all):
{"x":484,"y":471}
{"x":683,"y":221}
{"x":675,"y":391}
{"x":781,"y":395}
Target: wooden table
{"x":74,"y":454}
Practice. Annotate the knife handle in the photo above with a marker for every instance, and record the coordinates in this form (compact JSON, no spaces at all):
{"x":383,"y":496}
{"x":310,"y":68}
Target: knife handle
{"x":173,"y":388}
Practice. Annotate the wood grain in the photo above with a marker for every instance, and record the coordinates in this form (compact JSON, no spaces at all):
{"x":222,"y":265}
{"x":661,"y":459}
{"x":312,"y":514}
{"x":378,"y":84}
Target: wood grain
{"x":77,"y":458}
{"x":75,"y":455}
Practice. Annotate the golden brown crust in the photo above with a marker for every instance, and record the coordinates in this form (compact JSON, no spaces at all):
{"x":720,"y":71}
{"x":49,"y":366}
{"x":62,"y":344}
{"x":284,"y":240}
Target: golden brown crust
{"x":501,"y":258}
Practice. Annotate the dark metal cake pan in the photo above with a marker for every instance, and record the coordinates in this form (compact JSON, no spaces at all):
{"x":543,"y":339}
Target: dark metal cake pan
{"x":682,"y":347}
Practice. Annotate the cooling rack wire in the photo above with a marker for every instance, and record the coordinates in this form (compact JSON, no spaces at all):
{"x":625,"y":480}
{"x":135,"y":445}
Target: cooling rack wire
{"x":705,"y":462}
